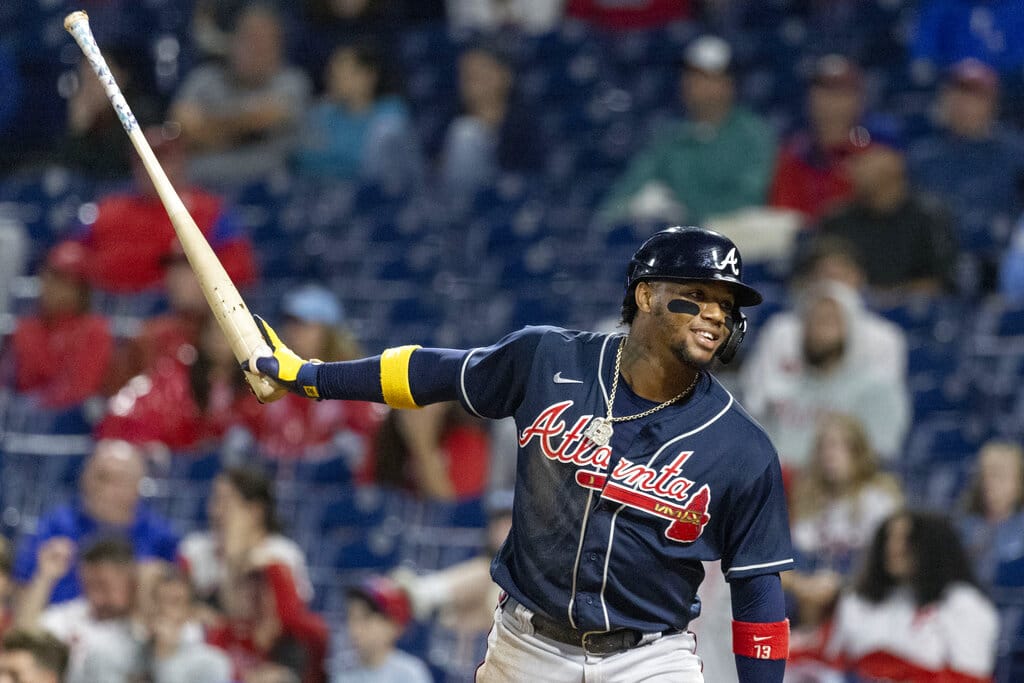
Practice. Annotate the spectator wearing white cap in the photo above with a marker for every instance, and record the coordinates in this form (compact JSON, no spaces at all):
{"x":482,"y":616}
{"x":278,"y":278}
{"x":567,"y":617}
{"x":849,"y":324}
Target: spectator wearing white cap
{"x":294,"y":427}
{"x":715,"y":161}
{"x":973,"y":162}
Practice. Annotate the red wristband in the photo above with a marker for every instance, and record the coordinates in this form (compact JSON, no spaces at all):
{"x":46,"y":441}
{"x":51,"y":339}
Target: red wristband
{"x":761,"y":641}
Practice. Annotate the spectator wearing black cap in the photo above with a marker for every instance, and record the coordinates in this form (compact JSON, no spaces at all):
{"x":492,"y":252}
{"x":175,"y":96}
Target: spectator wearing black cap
{"x":716,"y":161}
{"x":973,"y":161}
{"x":810,"y":175}
{"x":378,"y":613}
{"x":904,"y":240}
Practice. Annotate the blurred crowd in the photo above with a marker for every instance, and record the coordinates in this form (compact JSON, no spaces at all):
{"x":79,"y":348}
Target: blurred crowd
{"x":161,"y":525}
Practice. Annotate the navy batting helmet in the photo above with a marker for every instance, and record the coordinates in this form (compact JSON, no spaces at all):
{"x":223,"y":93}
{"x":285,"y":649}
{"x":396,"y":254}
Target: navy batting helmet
{"x":691,"y":253}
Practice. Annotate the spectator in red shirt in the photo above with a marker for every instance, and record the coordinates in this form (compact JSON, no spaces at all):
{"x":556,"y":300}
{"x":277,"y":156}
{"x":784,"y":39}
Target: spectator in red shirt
{"x":168,"y":334}
{"x":273,"y":636}
{"x":809,"y":175}
{"x":295,"y":427}
{"x":185,"y":401}
{"x":61,"y":355}
{"x":440,"y":452}
{"x":132,"y":235}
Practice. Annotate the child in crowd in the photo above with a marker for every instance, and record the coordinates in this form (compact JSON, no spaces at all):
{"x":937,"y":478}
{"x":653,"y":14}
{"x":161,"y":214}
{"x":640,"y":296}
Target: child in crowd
{"x":378,"y":612}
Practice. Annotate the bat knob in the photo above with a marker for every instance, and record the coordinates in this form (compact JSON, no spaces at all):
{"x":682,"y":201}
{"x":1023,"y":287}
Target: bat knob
{"x":74,"y":18}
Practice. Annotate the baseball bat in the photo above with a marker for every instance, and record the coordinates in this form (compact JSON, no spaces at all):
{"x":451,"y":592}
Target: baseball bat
{"x":227,"y":305}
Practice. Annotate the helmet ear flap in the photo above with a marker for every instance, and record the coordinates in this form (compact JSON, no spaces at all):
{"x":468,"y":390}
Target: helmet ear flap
{"x":737,"y":325}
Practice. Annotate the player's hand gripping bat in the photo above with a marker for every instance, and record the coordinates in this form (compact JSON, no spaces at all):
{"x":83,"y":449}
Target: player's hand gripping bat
{"x":227,"y":305}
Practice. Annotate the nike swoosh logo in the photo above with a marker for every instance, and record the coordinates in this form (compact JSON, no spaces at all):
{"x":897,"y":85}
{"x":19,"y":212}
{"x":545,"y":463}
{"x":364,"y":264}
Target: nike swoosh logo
{"x":758,"y":639}
{"x":558,"y":379}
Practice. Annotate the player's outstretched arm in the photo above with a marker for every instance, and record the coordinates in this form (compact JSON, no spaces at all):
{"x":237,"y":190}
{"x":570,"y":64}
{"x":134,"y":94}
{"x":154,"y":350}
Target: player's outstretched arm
{"x":760,"y":630}
{"x":402,"y":377}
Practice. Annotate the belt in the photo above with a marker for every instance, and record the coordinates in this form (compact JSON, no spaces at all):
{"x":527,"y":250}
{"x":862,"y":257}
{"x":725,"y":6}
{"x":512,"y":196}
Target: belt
{"x":593,"y":642}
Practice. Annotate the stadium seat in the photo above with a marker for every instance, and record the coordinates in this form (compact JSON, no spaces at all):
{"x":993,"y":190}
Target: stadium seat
{"x":197,"y":467}
{"x":332,"y":471}
{"x":357,"y":507}
{"x":377,"y":550}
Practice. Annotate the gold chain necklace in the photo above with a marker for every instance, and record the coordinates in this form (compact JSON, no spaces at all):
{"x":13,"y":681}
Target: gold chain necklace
{"x":600,"y":429}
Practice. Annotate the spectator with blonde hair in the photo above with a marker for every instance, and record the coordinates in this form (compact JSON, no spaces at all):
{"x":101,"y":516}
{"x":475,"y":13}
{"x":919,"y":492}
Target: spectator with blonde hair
{"x":838,"y":501}
{"x":992,"y":530}
{"x":994,"y":505}
{"x":842,"y":495}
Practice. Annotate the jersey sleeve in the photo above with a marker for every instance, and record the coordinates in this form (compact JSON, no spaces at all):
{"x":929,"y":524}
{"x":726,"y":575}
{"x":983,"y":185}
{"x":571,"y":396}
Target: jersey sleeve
{"x":492,"y":380}
{"x":757,"y":529}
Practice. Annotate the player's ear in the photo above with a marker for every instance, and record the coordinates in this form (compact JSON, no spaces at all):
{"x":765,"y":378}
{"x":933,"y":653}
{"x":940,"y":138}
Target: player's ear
{"x":644,"y":296}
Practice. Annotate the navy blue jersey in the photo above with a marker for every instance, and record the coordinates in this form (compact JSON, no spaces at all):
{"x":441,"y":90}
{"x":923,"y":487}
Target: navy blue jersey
{"x":613,"y":537}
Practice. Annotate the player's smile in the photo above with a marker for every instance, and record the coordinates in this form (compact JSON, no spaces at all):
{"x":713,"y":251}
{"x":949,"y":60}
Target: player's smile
{"x":706,"y":337}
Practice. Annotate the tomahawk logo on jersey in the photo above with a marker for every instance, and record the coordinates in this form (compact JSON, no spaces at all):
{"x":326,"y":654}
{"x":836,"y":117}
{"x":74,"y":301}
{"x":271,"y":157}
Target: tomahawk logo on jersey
{"x":659,"y":492}
{"x":623,"y":528}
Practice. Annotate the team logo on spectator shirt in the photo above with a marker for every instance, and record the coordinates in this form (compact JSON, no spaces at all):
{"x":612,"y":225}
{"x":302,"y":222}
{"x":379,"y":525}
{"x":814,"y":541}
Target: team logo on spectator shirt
{"x":662,"y":492}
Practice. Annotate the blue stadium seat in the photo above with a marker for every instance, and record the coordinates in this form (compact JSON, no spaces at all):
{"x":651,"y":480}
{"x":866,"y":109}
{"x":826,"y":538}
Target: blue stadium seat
{"x":128,"y":306}
{"x":358,"y":507}
{"x":333,"y":471}
{"x":377,"y":549}
{"x":934,"y":393}
{"x":943,"y":439}
{"x":198,"y":467}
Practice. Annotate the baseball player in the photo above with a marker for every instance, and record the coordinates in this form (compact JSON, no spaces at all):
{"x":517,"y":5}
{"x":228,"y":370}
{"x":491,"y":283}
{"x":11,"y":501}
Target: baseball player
{"x":634,"y":466}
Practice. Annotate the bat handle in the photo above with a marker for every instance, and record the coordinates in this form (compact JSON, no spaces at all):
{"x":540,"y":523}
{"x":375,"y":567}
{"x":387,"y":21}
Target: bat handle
{"x":77,"y":24}
{"x":266,"y":390}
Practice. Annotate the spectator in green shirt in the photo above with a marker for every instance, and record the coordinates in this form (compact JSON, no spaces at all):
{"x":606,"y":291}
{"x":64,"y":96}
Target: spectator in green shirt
{"x":717,"y":160}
